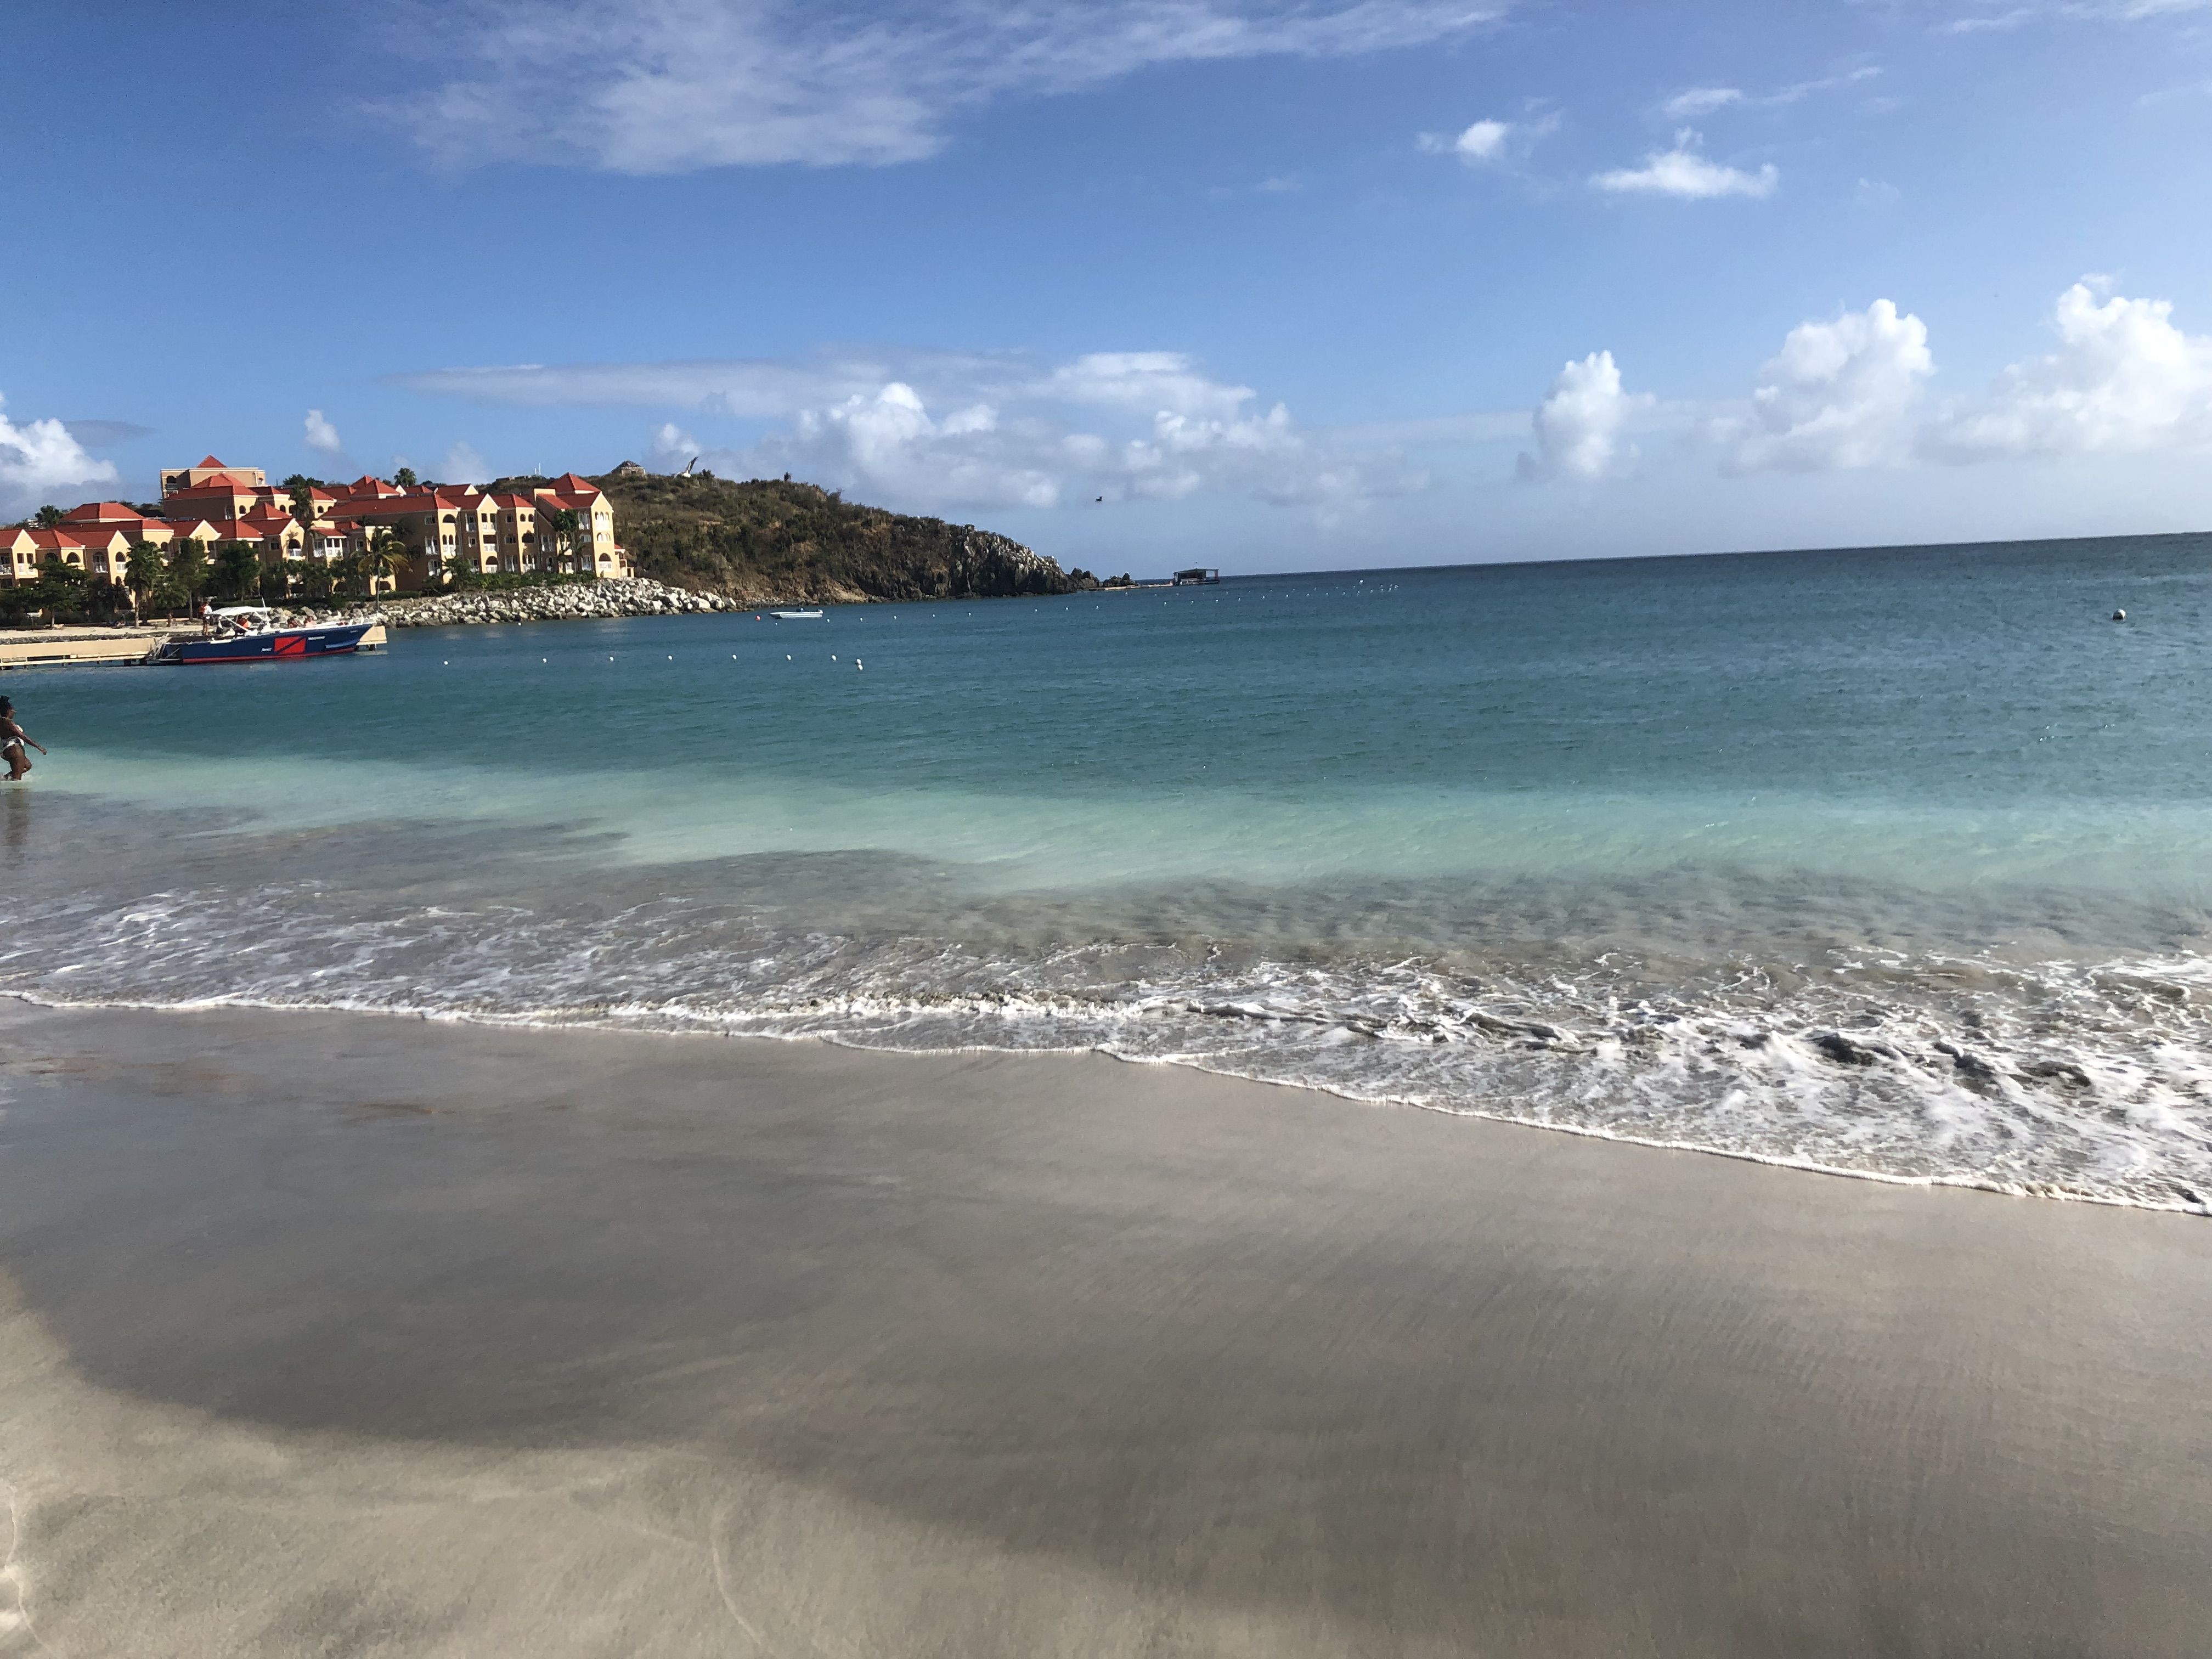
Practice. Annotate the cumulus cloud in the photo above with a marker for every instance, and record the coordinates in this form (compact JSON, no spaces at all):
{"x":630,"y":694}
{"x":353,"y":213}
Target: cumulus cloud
{"x":40,"y":461}
{"x":465,"y":465}
{"x":673,"y":447}
{"x":670,"y":86}
{"x":321,"y":434}
{"x":1484,"y":141}
{"x":1489,"y":140}
{"x":1682,"y":171}
{"x":939,"y":430}
{"x":1837,"y":395}
{"x":1578,"y":425}
{"x":2123,"y":378}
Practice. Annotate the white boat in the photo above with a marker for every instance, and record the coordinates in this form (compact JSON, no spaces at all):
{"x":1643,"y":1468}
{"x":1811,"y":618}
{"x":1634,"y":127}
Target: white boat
{"x":796,"y":616}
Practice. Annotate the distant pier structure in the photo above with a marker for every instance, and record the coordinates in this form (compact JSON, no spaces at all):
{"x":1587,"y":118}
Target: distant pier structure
{"x":1201,"y":577}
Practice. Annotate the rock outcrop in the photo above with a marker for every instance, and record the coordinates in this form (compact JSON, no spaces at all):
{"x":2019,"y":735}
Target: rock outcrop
{"x":768,"y":541}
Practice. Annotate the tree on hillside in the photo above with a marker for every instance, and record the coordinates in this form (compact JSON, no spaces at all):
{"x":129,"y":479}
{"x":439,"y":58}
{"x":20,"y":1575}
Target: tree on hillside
{"x":47,"y":516}
{"x":405,"y":477}
{"x":300,"y":481}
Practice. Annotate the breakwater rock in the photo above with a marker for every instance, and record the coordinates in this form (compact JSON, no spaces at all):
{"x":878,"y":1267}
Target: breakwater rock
{"x":640,"y":598}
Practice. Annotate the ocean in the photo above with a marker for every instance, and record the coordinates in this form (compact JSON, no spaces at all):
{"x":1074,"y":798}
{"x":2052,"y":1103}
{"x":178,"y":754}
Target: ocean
{"x":1893,"y":862}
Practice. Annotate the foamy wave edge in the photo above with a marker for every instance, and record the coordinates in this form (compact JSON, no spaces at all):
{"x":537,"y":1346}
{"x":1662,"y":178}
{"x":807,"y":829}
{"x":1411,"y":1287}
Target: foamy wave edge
{"x":633,"y":1021}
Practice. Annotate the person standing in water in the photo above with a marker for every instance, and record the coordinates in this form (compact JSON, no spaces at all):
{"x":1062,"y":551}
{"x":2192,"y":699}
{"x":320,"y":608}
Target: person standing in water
{"x":12,"y":739}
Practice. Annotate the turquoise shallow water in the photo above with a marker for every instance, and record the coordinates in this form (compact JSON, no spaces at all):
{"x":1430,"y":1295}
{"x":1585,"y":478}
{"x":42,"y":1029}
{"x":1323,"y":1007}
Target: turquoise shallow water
{"x":1893,"y":861}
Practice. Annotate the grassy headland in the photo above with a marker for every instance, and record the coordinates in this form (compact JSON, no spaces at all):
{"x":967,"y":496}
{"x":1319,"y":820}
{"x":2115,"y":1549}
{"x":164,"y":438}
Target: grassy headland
{"x":766,"y":540}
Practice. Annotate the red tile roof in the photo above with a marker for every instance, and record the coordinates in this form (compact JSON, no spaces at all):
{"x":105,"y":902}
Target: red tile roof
{"x":102,"y":513}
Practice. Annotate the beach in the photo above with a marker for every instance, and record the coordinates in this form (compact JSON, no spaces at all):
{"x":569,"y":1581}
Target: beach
{"x":338,"y":1333}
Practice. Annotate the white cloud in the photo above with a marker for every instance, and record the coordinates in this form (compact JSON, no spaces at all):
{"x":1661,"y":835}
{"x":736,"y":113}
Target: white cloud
{"x":1703,"y":100}
{"x":1682,"y":171}
{"x":2123,"y":378}
{"x":1836,"y":396}
{"x":1699,"y":101}
{"x":1128,"y":425}
{"x":670,"y":86}
{"x":1484,"y":141}
{"x":887,"y":445}
{"x":40,"y":461}
{"x":1578,"y":424}
{"x":2104,"y":11}
{"x":754,"y":387}
{"x":321,"y":434}
{"x":465,"y":465}
{"x":1489,"y":140}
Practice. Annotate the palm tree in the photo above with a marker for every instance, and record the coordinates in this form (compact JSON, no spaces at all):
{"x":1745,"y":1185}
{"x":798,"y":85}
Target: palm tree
{"x":141,"y":571}
{"x":188,"y":568}
{"x":386,"y":556}
{"x":238,"y":570}
{"x":565,"y":525}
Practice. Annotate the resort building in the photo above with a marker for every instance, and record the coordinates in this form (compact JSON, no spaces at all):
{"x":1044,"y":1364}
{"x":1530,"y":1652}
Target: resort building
{"x":566,"y":527}
{"x":186,"y":477}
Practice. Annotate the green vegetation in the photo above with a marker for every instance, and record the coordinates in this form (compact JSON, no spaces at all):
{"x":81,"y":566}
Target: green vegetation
{"x":773,"y":540}
{"x":64,"y":593}
{"x":385,"y":558}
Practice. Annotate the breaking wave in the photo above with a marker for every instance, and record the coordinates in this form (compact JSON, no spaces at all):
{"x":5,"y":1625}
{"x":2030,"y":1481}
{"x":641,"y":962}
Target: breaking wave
{"x":2088,"y":1076}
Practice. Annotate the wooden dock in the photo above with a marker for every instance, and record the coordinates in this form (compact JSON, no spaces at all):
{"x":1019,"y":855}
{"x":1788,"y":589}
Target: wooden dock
{"x":65,"y":648}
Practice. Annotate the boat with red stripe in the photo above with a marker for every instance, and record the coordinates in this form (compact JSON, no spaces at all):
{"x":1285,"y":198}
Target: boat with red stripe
{"x":249,"y":633}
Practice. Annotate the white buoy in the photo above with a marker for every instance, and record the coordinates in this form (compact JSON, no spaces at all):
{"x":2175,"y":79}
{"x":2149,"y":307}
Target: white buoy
{"x":857,"y":663}
{"x":2119,"y":616}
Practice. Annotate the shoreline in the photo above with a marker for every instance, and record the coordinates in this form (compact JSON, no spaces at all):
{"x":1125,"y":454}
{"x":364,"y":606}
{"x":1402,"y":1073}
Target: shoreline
{"x":2042,"y":1191}
{"x":407,"y":1335}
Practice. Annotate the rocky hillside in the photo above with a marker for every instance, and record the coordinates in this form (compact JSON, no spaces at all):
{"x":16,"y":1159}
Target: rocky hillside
{"x":770,"y":540}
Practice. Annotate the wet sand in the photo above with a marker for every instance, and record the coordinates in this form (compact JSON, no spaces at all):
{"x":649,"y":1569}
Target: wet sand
{"x":338,"y":1334}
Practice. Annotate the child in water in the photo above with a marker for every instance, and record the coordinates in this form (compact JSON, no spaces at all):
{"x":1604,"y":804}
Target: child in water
{"x":12,"y":739}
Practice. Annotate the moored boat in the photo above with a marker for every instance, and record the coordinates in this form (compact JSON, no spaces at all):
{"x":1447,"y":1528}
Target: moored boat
{"x":248,"y":632}
{"x":796,"y":616}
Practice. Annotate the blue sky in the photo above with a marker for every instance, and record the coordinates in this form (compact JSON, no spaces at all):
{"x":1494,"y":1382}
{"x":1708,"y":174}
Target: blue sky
{"x":1289,"y":284}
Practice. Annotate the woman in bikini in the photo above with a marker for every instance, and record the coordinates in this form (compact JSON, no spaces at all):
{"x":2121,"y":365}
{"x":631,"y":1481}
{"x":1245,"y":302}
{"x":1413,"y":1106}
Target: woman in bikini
{"x":12,"y":739}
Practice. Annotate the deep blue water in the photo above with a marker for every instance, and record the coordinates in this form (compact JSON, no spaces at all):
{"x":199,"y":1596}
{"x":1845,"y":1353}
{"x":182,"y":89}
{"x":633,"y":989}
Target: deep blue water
{"x":1894,"y":860}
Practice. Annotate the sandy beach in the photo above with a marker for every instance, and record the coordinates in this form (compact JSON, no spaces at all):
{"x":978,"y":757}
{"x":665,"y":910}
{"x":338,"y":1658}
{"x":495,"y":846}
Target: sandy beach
{"x":346,"y":1335}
